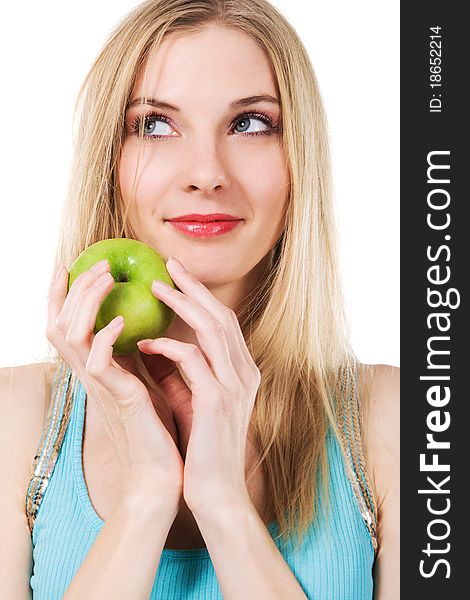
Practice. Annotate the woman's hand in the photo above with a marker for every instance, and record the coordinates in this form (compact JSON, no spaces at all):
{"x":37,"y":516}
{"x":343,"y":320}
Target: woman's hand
{"x":223,"y":383}
{"x":148,"y":455}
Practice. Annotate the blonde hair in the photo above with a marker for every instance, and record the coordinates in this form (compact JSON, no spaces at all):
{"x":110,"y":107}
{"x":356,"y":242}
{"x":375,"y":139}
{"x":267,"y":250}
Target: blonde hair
{"x":294,"y":323}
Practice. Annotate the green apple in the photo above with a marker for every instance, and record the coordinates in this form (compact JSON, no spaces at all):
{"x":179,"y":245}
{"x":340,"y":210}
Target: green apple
{"x":134,"y":266}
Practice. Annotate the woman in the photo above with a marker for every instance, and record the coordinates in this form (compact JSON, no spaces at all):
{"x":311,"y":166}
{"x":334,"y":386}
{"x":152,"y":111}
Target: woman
{"x":246,"y":452}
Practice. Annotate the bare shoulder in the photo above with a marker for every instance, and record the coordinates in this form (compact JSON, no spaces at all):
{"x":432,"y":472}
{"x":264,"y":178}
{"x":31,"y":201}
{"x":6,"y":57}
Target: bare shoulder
{"x":25,"y":392}
{"x":380,"y":392}
{"x":379,"y":387}
{"x":24,"y":399}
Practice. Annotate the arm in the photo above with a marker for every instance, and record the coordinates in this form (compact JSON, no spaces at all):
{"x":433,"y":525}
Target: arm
{"x":383,"y":450}
{"x":246,"y":559}
{"x":24,"y":399}
{"x":247,"y":562}
{"x":17,"y":425}
{"x":123,"y":561}
{"x":220,"y":392}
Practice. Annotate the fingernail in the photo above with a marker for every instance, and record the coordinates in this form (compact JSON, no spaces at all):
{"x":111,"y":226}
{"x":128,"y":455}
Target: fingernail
{"x":144,"y":342}
{"x":103,"y":279}
{"x":102,"y":264}
{"x":161,"y":286}
{"x":175,"y":264}
{"x":116,"y":322}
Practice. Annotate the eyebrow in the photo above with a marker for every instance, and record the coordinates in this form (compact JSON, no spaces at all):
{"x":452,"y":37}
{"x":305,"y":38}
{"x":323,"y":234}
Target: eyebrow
{"x":236,"y":104}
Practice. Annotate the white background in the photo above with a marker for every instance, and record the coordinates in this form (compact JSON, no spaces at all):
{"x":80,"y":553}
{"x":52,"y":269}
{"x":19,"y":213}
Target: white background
{"x":46,"y":50}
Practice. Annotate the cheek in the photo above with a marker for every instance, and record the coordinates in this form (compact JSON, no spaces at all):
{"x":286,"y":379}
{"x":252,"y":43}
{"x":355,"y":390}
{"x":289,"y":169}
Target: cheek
{"x":268,"y":187}
{"x":136,"y":177}
{"x":127,"y":172}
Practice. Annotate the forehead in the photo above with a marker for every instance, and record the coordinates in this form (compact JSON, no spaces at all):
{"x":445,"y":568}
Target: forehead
{"x":216,"y":60}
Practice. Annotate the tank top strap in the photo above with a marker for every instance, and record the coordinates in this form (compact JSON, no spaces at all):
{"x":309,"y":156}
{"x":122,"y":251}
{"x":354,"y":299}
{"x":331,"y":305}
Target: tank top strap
{"x":350,"y":424}
{"x":52,"y":437}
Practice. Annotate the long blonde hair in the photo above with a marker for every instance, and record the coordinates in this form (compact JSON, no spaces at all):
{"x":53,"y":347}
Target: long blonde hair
{"x":294,"y":323}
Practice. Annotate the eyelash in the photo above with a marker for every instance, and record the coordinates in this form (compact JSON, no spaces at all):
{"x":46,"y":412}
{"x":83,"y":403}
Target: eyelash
{"x":139,"y":119}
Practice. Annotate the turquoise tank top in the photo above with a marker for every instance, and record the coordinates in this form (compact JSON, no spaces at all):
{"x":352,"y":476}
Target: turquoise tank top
{"x":335,"y":562}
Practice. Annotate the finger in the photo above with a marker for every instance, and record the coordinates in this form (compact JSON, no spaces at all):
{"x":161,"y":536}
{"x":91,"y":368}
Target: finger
{"x":191,"y":286}
{"x":189,"y":356}
{"x":195,"y":289}
{"x":209,"y":331}
{"x":250,"y":364}
{"x":100,"y":362}
{"x":80,"y":333}
{"x":81,"y":283}
{"x":55,"y":299}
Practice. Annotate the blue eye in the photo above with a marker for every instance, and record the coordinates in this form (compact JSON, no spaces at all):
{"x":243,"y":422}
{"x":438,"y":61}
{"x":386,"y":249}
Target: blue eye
{"x":147,"y":124}
{"x":246,"y":121}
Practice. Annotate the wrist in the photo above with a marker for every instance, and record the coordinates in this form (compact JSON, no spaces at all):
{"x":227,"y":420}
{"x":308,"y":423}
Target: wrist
{"x":144,"y":485}
{"x":151,"y":499}
{"x":220,"y":513}
{"x":142,"y":507}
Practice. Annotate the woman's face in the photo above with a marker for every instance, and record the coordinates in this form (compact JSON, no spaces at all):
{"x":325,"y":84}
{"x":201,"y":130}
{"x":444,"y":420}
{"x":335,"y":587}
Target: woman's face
{"x":203,"y":156}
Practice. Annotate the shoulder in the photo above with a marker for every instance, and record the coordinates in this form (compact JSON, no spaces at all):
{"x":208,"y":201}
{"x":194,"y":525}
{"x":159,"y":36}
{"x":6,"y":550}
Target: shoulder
{"x":26,"y":383}
{"x":22,"y":405}
{"x":25,"y":392}
{"x":379,"y":390}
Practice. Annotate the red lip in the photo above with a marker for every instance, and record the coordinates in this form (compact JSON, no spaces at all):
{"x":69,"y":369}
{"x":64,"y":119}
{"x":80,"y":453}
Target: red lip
{"x":205,"y":218}
{"x":205,"y":226}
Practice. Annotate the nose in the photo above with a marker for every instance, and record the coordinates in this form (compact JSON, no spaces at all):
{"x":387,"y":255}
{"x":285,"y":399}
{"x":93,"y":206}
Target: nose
{"x":205,"y":168}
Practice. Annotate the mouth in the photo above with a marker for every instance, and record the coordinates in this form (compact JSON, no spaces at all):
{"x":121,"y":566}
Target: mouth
{"x":204,"y":226}
{"x":201,"y":218}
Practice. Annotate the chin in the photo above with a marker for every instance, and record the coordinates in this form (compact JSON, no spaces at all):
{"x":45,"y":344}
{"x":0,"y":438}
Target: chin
{"x":211,"y":277}
{"x":213,"y":264}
